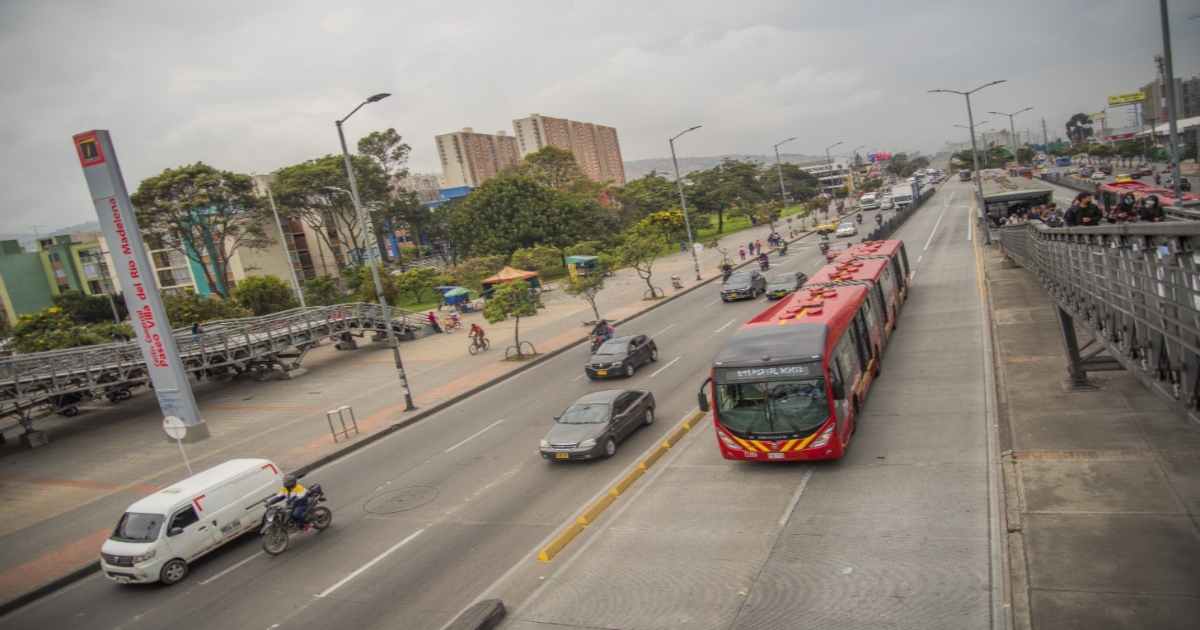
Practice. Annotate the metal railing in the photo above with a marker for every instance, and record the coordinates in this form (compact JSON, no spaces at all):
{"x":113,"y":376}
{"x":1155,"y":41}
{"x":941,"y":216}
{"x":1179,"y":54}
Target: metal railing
{"x":1135,"y":288}
{"x":60,"y":379}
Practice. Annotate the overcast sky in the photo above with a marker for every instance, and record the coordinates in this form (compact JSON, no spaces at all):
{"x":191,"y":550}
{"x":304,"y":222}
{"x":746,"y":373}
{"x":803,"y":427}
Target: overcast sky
{"x":255,"y":85}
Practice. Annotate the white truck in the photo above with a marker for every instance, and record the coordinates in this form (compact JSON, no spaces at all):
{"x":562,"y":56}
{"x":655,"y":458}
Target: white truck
{"x":904,"y":195}
{"x":868,"y":202}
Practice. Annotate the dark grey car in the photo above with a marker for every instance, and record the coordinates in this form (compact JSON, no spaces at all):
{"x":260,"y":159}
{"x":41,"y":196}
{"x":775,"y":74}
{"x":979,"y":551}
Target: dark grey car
{"x":742,"y":285}
{"x":593,"y":425}
{"x":621,"y":356}
{"x":785,"y":283}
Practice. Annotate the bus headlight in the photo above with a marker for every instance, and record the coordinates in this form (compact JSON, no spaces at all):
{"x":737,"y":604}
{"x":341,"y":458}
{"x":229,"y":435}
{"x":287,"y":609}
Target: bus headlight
{"x":729,"y":442}
{"x":823,"y":439}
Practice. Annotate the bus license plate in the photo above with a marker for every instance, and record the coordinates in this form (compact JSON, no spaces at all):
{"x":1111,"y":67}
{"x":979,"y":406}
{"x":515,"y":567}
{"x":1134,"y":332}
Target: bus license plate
{"x":562,"y":455}
{"x":774,"y":455}
{"x":601,"y":372}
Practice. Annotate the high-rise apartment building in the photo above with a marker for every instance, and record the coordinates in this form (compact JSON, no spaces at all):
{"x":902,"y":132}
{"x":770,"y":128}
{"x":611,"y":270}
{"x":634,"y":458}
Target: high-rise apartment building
{"x":1187,"y":100}
{"x":469,"y":158}
{"x":595,"y":147}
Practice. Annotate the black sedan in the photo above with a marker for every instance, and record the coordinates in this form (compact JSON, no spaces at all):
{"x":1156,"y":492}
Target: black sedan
{"x":621,"y":356}
{"x":785,"y":283}
{"x":591,"y":427}
{"x":742,"y":285}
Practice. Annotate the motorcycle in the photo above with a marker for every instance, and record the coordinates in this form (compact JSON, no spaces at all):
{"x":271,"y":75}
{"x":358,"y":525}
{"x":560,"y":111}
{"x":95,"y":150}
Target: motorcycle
{"x":726,"y":271}
{"x":278,"y":525}
{"x":783,"y":248}
{"x":597,"y":340}
{"x":763,"y":264}
{"x":879,"y":219}
{"x":860,"y":218}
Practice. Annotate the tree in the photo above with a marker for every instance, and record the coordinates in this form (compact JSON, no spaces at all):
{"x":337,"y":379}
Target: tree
{"x":89,"y":309}
{"x":263,"y":295}
{"x":417,"y":281}
{"x":513,"y":299}
{"x":554,"y":168}
{"x":512,"y":212}
{"x":586,"y":286}
{"x":667,"y":225}
{"x":1079,"y":128}
{"x":388,"y":150}
{"x":316,"y":191}
{"x":537,"y":258}
{"x":1024,"y":156}
{"x":187,"y":308}
{"x":366,"y":286}
{"x":800,"y":183}
{"x":645,"y":195}
{"x":472,"y":270}
{"x":204,"y":214}
{"x":405,"y":211}
{"x":322,"y":291}
{"x":719,"y":189}
{"x":640,"y":251}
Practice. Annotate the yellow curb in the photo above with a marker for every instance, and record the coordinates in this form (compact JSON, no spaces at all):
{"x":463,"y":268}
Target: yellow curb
{"x":560,"y":541}
{"x":590,"y":515}
{"x":626,"y":481}
{"x":654,"y":456}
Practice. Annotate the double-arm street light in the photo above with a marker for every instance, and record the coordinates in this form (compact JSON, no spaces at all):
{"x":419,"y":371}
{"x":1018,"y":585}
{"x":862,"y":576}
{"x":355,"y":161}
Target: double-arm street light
{"x":362,"y":220}
{"x":779,"y":165}
{"x":1012,"y":130}
{"x":974,"y":148}
{"x":683,"y":202}
{"x":829,"y":160}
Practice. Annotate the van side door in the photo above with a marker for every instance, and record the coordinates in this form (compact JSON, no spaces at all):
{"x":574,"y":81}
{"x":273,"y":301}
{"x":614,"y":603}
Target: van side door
{"x":221,"y":509}
{"x":188,"y":535}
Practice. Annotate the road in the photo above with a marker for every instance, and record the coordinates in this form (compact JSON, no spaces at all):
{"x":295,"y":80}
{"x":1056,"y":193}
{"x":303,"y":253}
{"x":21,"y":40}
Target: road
{"x":903,"y":532}
{"x":425,"y":520}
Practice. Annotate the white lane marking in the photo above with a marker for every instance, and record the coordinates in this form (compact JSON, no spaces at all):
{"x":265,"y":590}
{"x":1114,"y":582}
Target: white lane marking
{"x":934,"y":231}
{"x":919,"y":258}
{"x":665,"y":366}
{"x":215,"y":577}
{"x":578,"y":377}
{"x":787,"y":513}
{"x":477,"y":434}
{"x":710,"y":303}
{"x":368,"y":565}
{"x":662,"y":331}
{"x":725,"y":326}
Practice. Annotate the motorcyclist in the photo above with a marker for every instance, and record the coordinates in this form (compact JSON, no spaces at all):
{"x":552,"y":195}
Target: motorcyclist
{"x":859,"y":217}
{"x":297,"y":497}
{"x":783,"y":247}
{"x":726,"y":271}
{"x":603,"y":329}
{"x":763,"y":261}
{"x":879,"y":219}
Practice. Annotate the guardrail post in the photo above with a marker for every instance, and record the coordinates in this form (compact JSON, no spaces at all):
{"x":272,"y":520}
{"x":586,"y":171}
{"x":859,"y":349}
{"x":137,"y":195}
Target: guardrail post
{"x":1076,"y":375}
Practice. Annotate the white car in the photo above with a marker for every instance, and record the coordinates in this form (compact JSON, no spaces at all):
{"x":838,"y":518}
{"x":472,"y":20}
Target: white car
{"x":886,"y":203}
{"x":1098,"y":176}
{"x":847,"y":229}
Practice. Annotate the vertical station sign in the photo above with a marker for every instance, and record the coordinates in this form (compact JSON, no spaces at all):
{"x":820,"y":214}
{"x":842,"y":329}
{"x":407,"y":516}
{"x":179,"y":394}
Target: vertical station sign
{"x":132,"y":264}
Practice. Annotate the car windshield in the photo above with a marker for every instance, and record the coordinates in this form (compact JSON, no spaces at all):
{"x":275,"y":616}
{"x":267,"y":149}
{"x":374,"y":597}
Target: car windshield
{"x":786,"y":278}
{"x":772,"y":407}
{"x":135,"y":527}
{"x":613,"y":347}
{"x":738,"y":278}
{"x":585,"y":414}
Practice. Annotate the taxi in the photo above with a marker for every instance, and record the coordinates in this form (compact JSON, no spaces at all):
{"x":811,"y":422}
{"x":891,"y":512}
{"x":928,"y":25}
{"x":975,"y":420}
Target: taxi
{"x":1124,"y":177}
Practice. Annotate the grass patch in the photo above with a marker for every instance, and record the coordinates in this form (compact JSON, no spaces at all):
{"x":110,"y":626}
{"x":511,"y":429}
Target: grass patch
{"x":523,"y":357}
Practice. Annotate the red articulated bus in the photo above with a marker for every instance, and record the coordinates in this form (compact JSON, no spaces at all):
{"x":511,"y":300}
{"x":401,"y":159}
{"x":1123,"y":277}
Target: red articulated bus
{"x":1110,"y":193}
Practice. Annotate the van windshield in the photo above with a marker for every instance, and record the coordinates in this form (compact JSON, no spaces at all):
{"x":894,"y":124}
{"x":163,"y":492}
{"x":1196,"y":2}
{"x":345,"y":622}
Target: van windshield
{"x":136,"y":527}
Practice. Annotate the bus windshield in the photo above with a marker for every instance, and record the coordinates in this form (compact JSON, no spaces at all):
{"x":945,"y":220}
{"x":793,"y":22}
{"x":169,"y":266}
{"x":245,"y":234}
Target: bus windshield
{"x":798,"y":406}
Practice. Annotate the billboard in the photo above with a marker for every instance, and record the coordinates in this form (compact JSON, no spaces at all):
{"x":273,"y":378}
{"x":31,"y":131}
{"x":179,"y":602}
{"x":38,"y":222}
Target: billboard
{"x":1123,"y":99}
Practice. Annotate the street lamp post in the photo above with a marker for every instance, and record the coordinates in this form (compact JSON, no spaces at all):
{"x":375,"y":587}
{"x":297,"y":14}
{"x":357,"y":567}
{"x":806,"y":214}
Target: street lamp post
{"x":972,"y":130}
{"x":779,"y":165}
{"x":683,"y":202}
{"x":362,"y":221}
{"x":854,"y":165}
{"x":283,"y":241}
{"x":974,"y":147}
{"x":1012,"y":130}
{"x":1172,"y":126}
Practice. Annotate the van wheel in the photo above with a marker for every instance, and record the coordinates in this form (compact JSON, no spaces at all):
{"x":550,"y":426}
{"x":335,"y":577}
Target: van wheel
{"x":320,"y":518}
{"x":173,"y":572}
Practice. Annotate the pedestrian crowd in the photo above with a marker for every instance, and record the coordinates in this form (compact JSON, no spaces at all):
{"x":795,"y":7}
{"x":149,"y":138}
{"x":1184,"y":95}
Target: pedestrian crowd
{"x":1083,"y":212}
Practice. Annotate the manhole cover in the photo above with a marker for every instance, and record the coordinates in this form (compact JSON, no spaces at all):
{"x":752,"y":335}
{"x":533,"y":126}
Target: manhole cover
{"x":401,"y":500}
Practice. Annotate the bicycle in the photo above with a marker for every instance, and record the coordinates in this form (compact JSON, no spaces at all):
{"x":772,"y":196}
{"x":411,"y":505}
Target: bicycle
{"x":450,"y":324}
{"x":478,"y":344}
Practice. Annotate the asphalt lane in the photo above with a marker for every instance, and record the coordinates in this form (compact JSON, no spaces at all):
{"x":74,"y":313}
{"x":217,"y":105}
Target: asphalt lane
{"x":426,"y":519}
{"x":900,"y":533}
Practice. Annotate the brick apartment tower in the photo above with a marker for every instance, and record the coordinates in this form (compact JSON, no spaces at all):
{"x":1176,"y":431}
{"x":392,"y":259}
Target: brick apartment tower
{"x":595,"y":147}
{"x":469,"y":158}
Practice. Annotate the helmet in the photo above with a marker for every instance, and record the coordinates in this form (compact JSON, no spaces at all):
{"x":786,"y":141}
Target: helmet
{"x":289,"y":481}
{"x":602,"y":322}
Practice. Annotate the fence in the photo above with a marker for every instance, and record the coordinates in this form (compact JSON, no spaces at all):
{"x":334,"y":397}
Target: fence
{"x":1135,"y":289}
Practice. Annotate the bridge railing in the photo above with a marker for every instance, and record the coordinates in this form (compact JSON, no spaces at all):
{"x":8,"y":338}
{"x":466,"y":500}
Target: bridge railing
{"x":1135,"y":288}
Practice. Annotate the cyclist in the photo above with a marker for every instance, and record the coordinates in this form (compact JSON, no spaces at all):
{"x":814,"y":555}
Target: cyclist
{"x":476,"y":334}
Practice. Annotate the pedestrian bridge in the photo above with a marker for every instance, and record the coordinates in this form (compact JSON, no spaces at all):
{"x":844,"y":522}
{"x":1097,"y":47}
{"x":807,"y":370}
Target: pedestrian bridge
{"x":38,"y":384}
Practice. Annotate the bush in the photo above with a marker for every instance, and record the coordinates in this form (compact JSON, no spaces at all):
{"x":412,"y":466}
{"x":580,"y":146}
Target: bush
{"x":188,"y":308}
{"x":537,"y":258}
{"x":53,"y":329}
{"x":471,"y":271}
{"x":89,"y":309}
{"x":263,"y":295}
{"x":322,"y":291}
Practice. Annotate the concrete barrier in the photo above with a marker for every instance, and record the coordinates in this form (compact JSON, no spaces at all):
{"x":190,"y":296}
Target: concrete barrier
{"x":549,"y":551}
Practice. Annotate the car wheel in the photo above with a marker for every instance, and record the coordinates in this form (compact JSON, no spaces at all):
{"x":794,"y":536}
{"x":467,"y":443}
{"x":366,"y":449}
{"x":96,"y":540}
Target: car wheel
{"x":610,"y":447}
{"x":649,"y":419}
{"x":629,"y":369}
{"x":653,"y":354}
{"x":173,"y":572}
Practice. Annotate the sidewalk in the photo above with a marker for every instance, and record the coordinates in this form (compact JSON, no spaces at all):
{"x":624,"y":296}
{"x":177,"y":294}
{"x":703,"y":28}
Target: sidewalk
{"x":62,"y":500}
{"x":1102,"y":487}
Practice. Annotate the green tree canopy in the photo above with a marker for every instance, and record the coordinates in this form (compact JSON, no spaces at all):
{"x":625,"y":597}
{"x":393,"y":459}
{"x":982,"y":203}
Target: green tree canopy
{"x":188,"y":308}
{"x":388,"y":150}
{"x":53,"y":329}
{"x":645,"y":195}
{"x":89,"y":309}
{"x":1079,"y":128}
{"x":321,"y":291}
{"x":417,"y":282}
{"x":553,"y":167}
{"x":639,"y":251}
{"x":514,"y":299}
{"x":719,"y":189}
{"x":586,"y":286}
{"x":263,"y":295}
{"x":800,"y":183}
{"x":204,"y":214}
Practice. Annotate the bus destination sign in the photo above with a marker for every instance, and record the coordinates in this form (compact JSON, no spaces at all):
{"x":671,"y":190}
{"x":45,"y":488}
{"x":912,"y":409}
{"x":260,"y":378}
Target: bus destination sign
{"x":766,"y":373}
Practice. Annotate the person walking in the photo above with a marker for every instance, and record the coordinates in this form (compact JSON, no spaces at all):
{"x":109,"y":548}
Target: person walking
{"x":1083,"y":212}
{"x":683,"y":246}
{"x":437,"y":328}
{"x":758,"y":246}
{"x":1151,"y":210}
{"x":1125,"y":211}
{"x":742,"y":253}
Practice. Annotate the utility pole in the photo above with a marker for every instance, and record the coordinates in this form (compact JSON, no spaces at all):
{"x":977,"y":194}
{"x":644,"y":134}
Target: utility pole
{"x":1045,"y":135}
{"x":1172,"y":128}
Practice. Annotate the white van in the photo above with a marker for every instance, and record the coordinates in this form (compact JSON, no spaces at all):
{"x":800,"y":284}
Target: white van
{"x":158,"y":536}
{"x":868,"y":202}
